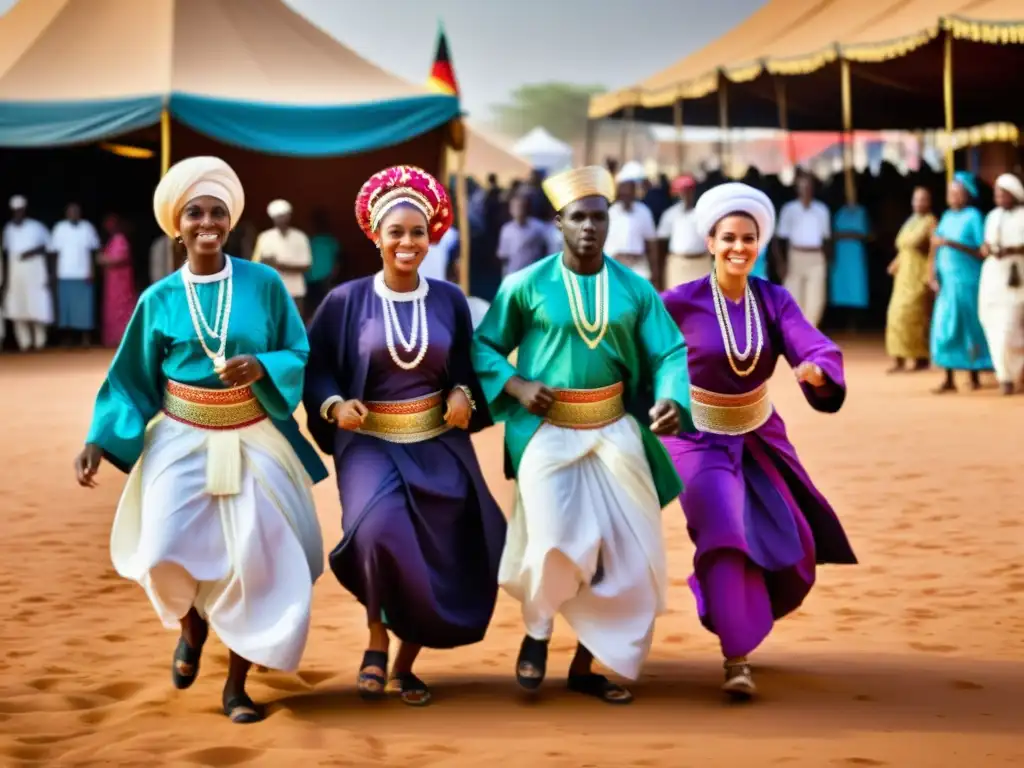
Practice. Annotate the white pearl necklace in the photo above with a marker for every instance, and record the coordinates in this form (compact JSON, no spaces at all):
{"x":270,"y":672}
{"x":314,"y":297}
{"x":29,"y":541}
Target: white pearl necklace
{"x":752,"y":318}
{"x":222,"y":315}
{"x":576,"y":306}
{"x":392,"y":326}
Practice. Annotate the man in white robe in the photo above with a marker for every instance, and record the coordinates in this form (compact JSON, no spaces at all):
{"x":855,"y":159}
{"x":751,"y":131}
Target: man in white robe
{"x":287,"y":250}
{"x":28,"y":303}
{"x":1001,"y":292}
{"x":803,"y":237}
{"x":631,"y":231}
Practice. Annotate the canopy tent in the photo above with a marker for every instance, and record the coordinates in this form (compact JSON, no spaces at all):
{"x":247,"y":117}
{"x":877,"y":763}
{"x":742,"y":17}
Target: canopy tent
{"x":487,"y":154}
{"x":299,"y":114}
{"x":543,"y":151}
{"x":783,"y":66}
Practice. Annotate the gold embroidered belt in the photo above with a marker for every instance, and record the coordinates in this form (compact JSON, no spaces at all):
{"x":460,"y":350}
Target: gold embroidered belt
{"x":729,"y":414}
{"x":405,"y":421}
{"x":212,"y":408}
{"x":587,"y":408}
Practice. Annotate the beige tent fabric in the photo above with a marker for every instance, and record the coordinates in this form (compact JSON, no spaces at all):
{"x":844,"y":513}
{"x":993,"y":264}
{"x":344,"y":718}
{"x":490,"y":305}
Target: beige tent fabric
{"x":485,"y":155}
{"x":249,"y":50}
{"x":798,"y":36}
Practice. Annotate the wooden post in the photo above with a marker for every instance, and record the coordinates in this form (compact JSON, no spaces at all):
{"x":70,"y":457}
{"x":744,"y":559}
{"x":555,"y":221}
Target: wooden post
{"x":847,"y":96}
{"x":165,"y":141}
{"x":723,"y":122}
{"x":588,"y":142}
{"x":677,"y":119}
{"x":783,"y":106}
{"x":627,"y":128}
{"x":947,"y":97}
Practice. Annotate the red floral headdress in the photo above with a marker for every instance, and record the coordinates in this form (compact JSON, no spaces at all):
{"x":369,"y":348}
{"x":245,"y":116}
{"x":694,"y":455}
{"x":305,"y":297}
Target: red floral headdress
{"x":403,"y":184}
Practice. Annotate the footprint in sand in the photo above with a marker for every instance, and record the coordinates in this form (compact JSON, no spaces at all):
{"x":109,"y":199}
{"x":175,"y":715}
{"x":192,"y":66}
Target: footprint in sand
{"x":967,"y":685}
{"x":120,"y":691}
{"x":859,"y":761}
{"x":315,"y":677}
{"x":934,"y":647}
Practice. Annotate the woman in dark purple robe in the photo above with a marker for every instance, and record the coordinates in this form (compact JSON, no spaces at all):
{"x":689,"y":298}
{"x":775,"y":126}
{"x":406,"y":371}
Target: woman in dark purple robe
{"x":758,"y":523}
{"x":391,"y":393}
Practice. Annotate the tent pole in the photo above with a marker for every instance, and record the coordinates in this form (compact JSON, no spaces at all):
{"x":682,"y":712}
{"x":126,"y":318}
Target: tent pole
{"x":463,"y":214}
{"x":677,"y":119}
{"x":723,"y":122}
{"x":627,"y":127}
{"x":165,"y":141}
{"x":851,"y":187}
{"x":947,"y":97}
{"x":783,"y":106}
{"x":588,"y":142}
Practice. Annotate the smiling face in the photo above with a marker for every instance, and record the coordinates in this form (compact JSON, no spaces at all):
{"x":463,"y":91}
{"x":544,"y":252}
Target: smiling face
{"x":734,"y":244}
{"x":204,"y":224}
{"x":403,"y":239}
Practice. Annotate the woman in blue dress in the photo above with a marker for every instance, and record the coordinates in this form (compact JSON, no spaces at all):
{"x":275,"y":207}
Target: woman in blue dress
{"x":957,"y":338}
{"x":848,"y":273}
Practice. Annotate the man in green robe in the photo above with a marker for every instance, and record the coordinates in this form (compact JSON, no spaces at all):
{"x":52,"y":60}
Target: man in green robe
{"x":585,"y":537}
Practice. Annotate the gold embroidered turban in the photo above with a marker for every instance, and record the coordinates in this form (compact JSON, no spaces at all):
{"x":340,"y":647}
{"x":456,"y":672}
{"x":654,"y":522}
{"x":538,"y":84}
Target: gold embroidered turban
{"x":569,"y":186}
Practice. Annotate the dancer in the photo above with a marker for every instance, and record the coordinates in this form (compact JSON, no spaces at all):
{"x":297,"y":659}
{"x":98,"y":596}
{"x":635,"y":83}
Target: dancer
{"x":1001,"y":292}
{"x":422,"y":534}
{"x":585,"y":538}
{"x":906,"y":323}
{"x":957,"y":338}
{"x":216,"y":521}
{"x":758,"y":523}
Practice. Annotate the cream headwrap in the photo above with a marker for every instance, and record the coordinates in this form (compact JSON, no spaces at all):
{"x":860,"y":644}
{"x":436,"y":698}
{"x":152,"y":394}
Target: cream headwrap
{"x":192,"y":178}
{"x":1011,"y":184}
{"x":278,"y":208}
{"x":733,"y":197}
{"x":631,"y":171}
{"x":18,"y":202}
{"x":569,"y":186}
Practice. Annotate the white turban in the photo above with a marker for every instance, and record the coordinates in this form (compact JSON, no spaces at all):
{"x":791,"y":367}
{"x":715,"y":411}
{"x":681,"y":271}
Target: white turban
{"x":1011,"y":184}
{"x":192,"y":178}
{"x":631,"y":171}
{"x":733,"y":197}
{"x":278,"y":208}
{"x":18,"y":202}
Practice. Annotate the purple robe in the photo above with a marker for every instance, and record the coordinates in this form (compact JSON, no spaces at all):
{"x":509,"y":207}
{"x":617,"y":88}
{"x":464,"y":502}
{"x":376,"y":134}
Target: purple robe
{"x":758,"y":523}
{"x":422,"y":534}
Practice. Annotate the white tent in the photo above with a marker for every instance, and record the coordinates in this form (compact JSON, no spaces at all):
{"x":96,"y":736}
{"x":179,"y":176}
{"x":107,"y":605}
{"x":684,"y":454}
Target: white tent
{"x":543,"y":151}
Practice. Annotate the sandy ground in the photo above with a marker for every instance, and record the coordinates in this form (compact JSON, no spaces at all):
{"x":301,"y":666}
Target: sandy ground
{"x":912,"y":658}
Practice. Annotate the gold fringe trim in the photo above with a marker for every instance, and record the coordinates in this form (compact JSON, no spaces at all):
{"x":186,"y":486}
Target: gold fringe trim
{"x":990,"y":32}
{"x":979,"y":134}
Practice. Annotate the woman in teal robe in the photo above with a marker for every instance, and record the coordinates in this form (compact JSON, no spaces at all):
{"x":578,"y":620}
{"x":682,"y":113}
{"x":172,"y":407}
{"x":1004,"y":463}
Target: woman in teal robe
{"x":957,"y":338}
{"x":848,"y":272}
{"x":216,"y":521}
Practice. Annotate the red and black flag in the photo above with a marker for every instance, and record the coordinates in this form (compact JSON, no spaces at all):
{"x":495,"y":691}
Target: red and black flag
{"x":442,"y":74}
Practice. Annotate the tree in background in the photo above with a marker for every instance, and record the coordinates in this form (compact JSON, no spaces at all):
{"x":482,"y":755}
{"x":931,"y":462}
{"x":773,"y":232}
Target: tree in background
{"x":561,"y":108}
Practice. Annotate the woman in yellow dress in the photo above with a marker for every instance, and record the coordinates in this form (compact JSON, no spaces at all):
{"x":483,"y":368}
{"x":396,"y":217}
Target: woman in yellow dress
{"x":910,"y":306}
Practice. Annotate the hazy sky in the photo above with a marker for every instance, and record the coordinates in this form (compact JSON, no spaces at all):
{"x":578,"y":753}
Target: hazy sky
{"x":497,"y":45}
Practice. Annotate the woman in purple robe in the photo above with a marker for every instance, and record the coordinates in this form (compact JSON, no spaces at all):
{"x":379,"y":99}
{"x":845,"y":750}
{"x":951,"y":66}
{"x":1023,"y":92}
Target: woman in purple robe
{"x":758,"y":523}
{"x":391,"y":393}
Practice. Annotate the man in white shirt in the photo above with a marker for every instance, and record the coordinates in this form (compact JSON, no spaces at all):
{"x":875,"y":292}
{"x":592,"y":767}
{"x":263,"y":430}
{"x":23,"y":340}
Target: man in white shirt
{"x":631,"y":230}
{"x":28,"y":303}
{"x":75,"y":242}
{"x":286,"y":249}
{"x":688,"y":256}
{"x":803,"y":235}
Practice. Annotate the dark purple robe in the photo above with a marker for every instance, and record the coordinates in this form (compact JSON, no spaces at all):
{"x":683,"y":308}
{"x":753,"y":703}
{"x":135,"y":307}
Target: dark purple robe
{"x":758,"y":523}
{"x":422,"y":534}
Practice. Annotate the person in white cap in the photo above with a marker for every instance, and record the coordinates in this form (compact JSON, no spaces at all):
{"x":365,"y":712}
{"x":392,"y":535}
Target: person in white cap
{"x":631,"y":229}
{"x":287,"y":250}
{"x":1001,"y":292}
{"x":28,"y":303}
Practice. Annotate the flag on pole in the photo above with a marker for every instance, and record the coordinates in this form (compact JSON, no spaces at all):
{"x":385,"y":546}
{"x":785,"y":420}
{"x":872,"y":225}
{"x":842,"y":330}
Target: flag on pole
{"x":442,"y":74}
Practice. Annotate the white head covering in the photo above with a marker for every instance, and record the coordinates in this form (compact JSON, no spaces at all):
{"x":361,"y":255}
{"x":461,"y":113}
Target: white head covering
{"x":192,"y":178}
{"x":733,"y":197}
{"x":18,"y":202}
{"x":1013,"y":185}
{"x":278,"y":208}
{"x":631,"y":171}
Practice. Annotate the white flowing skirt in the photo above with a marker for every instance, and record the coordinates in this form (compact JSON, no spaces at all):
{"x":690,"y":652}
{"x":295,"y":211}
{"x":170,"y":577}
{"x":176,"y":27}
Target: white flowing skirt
{"x":1001,"y":311}
{"x":585,"y":541}
{"x":247,"y":560}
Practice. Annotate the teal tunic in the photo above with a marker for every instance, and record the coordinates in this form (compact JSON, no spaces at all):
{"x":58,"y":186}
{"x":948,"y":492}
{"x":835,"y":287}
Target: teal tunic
{"x":160,"y":344}
{"x":643,"y":348}
{"x":848,"y":273}
{"x":957,"y":338}
{"x":761,"y":265}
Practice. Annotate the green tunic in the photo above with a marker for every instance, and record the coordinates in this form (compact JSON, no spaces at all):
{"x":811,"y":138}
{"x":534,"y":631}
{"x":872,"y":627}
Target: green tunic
{"x":642,"y":348}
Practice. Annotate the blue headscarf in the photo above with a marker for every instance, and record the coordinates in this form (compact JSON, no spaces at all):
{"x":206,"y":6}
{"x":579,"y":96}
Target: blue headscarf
{"x":967,"y":181}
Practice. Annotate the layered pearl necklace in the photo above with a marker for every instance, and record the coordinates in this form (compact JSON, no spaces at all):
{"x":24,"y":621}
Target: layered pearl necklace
{"x":584,"y":327}
{"x":752,"y":318}
{"x":222,"y":315}
{"x":418,"y":331}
